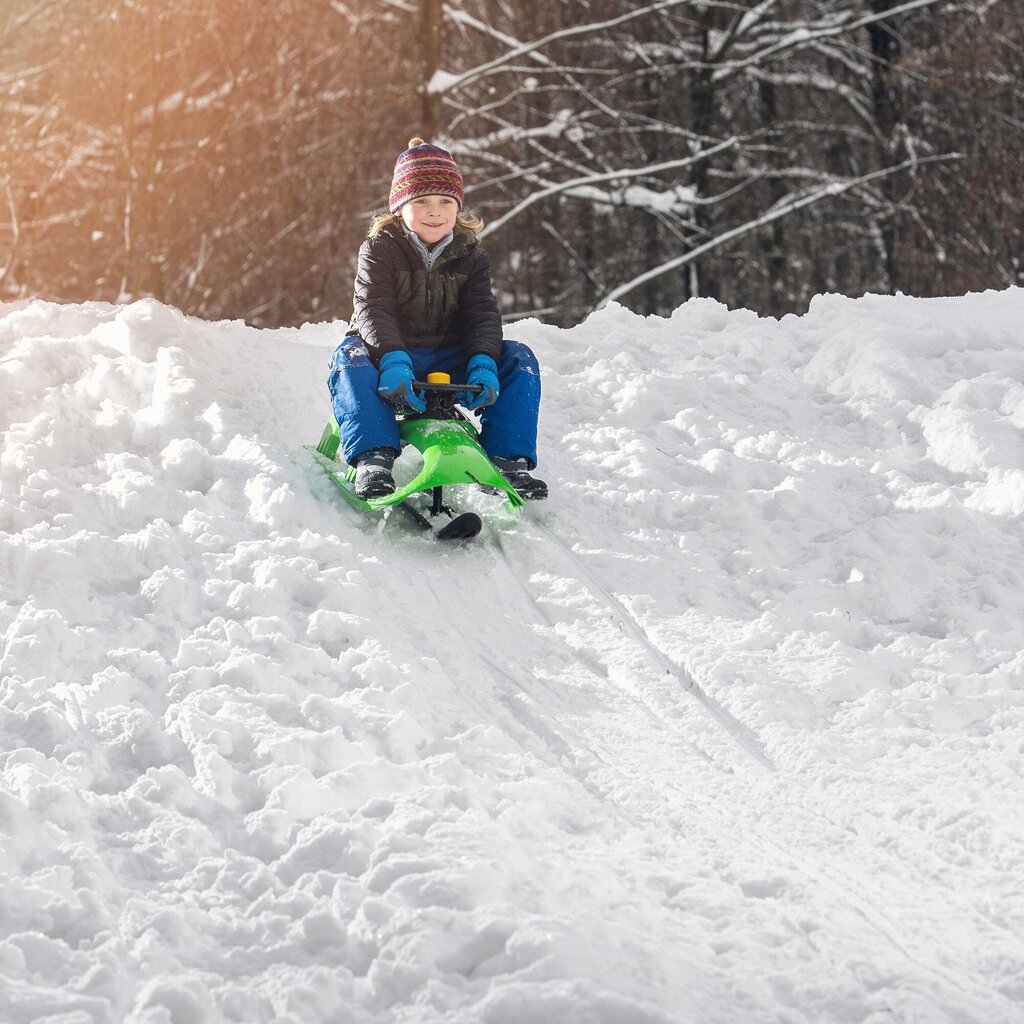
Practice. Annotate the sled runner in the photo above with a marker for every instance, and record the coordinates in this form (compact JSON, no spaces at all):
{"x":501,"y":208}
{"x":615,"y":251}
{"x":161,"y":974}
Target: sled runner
{"x":452,"y":456}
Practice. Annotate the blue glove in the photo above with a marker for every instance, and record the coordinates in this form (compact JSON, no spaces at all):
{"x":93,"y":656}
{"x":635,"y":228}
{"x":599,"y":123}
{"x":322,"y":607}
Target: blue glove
{"x":396,"y":379}
{"x":481,"y":370}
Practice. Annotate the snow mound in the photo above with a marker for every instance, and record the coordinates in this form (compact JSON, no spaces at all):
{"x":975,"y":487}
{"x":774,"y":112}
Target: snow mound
{"x":727,"y":730}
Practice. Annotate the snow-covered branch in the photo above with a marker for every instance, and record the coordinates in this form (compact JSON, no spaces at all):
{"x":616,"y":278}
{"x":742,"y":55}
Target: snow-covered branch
{"x":15,"y":231}
{"x":444,"y":82}
{"x":462,"y":17}
{"x":805,"y":36}
{"x":783,"y":209}
{"x":593,"y":179}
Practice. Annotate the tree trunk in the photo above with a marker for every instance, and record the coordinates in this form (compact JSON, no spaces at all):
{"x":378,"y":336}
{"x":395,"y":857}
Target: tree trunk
{"x":433,"y":34}
{"x":886,"y":51}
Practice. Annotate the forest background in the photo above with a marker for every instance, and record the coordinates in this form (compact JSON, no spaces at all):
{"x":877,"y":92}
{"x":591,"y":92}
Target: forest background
{"x":225,"y":156}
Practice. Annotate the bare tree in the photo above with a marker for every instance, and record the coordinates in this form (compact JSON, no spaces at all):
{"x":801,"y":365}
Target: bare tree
{"x":641,"y":151}
{"x":706,"y":128}
{"x":963,"y":227}
{"x":223,"y":162}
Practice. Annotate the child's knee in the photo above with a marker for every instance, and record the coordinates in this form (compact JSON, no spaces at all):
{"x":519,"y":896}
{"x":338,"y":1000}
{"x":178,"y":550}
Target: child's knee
{"x":518,"y":356}
{"x":352,"y":352}
{"x":351,"y":368}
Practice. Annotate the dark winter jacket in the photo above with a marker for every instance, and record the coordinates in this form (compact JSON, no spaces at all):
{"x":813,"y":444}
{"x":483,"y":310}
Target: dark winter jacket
{"x":399,"y":304}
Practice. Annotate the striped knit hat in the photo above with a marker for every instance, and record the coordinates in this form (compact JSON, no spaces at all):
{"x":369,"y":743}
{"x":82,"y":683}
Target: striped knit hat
{"x":424,"y":170}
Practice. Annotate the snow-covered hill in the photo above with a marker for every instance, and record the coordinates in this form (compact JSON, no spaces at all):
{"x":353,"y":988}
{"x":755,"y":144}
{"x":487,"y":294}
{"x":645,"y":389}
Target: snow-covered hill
{"x":729,"y":730}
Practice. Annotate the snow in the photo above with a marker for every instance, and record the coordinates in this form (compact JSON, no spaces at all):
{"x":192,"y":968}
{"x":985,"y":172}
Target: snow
{"x":679,"y":199}
{"x":441,"y":82}
{"x":729,"y":729}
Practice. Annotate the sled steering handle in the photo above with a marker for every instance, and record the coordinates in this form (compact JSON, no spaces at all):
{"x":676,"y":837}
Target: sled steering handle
{"x":447,"y":389}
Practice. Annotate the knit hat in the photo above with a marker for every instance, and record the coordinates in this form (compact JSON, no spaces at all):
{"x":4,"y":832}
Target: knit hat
{"x":424,"y":170}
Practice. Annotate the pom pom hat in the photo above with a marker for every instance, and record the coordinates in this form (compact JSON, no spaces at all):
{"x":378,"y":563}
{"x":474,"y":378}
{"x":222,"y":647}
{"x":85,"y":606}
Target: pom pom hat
{"x":424,"y":170}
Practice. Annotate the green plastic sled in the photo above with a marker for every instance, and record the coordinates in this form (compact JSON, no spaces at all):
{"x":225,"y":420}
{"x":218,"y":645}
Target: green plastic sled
{"x":451,"y":455}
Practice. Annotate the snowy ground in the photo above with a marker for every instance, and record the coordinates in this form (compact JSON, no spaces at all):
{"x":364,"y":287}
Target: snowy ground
{"x":729,"y":730}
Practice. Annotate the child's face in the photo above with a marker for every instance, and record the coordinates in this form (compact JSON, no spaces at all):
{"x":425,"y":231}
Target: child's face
{"x":430,"y":217}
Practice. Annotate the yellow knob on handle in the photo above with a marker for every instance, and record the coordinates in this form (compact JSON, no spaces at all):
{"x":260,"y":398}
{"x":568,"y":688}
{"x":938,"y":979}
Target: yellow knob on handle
{"x":439,"y":378}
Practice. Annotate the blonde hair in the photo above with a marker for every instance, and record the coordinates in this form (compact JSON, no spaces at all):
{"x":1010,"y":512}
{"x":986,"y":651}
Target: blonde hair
{"x":464,"y":219}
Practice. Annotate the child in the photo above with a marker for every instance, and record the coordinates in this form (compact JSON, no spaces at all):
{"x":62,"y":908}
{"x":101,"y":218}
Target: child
{"x":423,"y":302}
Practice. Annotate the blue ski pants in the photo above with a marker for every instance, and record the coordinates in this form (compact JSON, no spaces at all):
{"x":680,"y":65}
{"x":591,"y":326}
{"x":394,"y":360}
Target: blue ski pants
{"x":508,"y":428}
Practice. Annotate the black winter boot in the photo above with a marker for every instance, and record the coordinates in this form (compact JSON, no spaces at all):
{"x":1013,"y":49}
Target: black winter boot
{"x":373,"y":473}
{"x":516,"y":472}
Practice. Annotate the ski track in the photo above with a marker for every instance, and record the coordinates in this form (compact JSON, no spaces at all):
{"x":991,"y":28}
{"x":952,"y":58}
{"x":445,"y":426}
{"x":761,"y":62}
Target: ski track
{"x":743,"y":736}
{"x":737,"y":831}
{"x":843,"y":888}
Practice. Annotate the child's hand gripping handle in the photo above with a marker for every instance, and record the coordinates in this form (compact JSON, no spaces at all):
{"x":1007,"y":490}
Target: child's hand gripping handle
{"x":482,"y":378}
{"x":396,"y":382}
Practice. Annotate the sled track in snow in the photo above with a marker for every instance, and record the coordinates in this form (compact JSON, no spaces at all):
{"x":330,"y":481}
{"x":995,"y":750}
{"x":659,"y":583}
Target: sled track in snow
{"x":844,"y":887}
{"x":742,"y":736}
